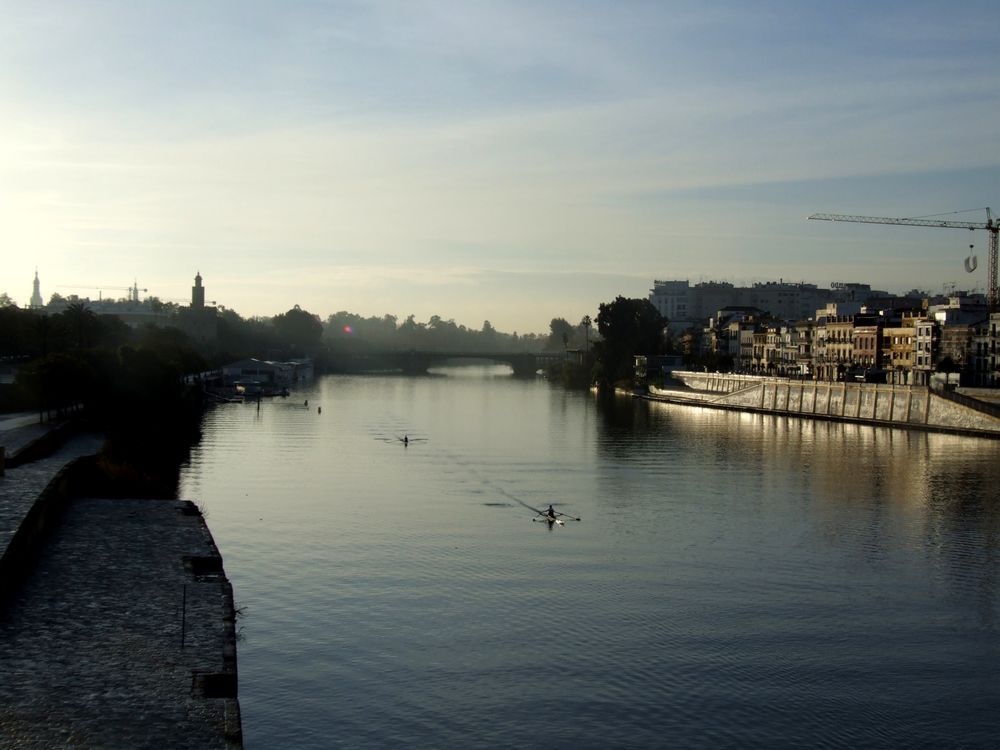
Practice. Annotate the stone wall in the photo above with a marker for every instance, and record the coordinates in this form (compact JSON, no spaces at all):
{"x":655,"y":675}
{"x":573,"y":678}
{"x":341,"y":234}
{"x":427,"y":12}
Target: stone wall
{"x":903,"y":406}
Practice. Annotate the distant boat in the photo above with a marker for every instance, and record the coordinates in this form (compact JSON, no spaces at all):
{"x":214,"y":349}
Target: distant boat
{"x":255,"y":389}
{"x":248,"y":387}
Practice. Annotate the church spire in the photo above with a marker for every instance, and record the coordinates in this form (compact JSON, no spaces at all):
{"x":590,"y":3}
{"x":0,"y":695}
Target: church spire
{"x":36,"y":294}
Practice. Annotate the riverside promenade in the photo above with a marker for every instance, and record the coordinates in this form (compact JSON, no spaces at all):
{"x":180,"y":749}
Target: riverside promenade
{"x":117,"y":625}
{"x":902,"y":406}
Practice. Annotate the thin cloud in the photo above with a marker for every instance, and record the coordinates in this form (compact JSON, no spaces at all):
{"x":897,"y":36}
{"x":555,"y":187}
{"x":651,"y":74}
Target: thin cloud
{"x":455,"y":146}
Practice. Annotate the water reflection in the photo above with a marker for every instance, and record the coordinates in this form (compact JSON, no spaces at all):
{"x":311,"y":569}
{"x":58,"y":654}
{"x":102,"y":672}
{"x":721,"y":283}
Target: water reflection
{"x":880,"y":493}
{"x":737,"y":579}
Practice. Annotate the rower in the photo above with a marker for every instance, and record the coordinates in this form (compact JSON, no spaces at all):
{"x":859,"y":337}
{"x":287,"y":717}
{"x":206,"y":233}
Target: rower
{"x":551,"y":513}
{"x":406,"y":439}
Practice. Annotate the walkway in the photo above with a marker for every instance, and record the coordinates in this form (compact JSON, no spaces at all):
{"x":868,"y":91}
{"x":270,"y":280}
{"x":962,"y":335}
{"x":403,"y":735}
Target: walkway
{"x":122,"y":634}
{"x":17,"y":430}
{"x":90,"y":650}
{"x":21,"y":486}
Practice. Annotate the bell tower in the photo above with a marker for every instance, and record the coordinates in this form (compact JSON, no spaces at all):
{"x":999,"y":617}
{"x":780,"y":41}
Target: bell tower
{"x":197,"y":294}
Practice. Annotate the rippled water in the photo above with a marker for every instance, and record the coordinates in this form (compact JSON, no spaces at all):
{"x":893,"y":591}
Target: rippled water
{"x":736,"y":580}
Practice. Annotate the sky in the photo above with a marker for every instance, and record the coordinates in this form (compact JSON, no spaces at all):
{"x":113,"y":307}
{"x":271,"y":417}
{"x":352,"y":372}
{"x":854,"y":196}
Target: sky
{"x":502,"y":161}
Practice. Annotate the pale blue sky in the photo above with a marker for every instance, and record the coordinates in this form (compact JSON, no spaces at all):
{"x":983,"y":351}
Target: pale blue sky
{"x":510,"y":161}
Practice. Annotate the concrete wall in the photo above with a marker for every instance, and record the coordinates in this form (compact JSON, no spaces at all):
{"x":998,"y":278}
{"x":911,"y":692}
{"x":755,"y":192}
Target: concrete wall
{"x":903,"y":406}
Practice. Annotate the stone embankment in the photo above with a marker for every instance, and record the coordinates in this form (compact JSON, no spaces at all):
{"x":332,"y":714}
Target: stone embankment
{"x":117,"y":623}
{"x":913,"y":407}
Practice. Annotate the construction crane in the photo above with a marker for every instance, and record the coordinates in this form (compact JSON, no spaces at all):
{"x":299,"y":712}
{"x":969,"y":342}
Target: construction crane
{"x":133,"y":291}
{"x":992,"y":226}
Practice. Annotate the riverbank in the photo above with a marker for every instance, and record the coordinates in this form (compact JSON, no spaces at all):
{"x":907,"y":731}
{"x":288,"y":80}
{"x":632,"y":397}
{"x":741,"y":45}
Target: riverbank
{"x":908,"y":407}
{"x":117,"y":628}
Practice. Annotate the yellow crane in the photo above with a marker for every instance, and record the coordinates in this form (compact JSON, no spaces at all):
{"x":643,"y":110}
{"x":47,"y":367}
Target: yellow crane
{"x":992,"y":226}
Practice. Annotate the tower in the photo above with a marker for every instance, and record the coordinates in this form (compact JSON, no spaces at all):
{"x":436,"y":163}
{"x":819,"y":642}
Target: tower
{"x":36,"y":295}
{"x":197,"y":293}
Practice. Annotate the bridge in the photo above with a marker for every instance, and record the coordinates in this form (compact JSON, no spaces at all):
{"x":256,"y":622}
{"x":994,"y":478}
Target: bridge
{"x":413,"y":362}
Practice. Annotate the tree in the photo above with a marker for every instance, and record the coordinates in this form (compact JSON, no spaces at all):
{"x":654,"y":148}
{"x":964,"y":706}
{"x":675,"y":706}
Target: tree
{"x":627,"y":327}
{"x":80,"y":322}
{"x":560,"y":332}
{"x":18,"y":332}
{"x":173,"y":346}
{"x":56,"y":382}
{"x":585,"y":323}
{"x":948,"y":364}
{"x":412,"y":333}
{"x":239,"y":338}
{"x":298,"y":329}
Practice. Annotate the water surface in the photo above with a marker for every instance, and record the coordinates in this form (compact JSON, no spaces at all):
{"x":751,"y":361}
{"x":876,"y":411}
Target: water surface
{"x":736,"y":580}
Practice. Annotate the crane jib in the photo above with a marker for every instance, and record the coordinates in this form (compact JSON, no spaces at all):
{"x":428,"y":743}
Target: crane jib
{"x":907,"y":222}
{"x":993,"y":227}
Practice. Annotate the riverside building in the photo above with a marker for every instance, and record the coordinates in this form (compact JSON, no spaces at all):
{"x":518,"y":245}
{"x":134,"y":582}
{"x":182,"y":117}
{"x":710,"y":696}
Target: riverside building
{"x":846,"y":332}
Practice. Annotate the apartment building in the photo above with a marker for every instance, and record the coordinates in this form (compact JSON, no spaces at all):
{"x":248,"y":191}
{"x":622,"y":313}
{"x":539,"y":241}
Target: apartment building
{"x":867,"y":345}
{"x":804,"y":331}
{"x":859,"y":334}
{"x":898,"y":352}
{"x":925,"y":349}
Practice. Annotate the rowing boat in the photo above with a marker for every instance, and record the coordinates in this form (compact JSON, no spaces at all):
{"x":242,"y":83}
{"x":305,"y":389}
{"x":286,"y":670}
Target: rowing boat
{"x":550,"y":521}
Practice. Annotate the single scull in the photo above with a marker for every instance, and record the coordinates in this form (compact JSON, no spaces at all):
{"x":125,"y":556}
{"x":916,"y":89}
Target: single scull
{"x":550,"y":521}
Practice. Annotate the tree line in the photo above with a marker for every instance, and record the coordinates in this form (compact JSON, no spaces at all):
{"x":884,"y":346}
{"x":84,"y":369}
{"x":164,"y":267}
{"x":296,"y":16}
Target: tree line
{"x":73,"y":353}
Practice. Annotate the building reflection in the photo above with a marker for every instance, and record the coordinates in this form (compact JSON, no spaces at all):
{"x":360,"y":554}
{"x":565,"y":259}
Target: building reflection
{"x":878,"y":494}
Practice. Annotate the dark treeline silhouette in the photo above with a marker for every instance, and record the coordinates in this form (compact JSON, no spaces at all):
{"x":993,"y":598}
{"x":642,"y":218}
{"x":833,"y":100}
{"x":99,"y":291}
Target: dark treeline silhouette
{"x":68,"y":359}
{"x":296,"y":333}
{"x":130,"y":378}
{"x":126,"y":383}
{"x":349,"y":332}
{"x":627,"y":327}
{"x":26,"y":334}
{"x":563,"y":335}
{"x":66,"y":366}
{"x":606,"y":357}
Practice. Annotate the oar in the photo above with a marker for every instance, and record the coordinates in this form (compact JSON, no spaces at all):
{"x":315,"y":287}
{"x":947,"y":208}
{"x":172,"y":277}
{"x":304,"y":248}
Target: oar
{"x":569,"y":517}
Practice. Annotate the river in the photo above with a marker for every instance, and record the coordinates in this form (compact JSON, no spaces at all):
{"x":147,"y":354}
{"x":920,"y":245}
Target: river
{"x":735,"y":580}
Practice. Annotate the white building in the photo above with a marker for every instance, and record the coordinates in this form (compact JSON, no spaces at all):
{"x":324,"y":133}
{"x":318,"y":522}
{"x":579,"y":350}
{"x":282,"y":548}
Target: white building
{"x":672,"y":300}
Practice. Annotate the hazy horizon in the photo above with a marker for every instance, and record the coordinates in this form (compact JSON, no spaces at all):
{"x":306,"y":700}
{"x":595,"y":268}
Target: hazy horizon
{"x":117,"y":295}
{"x":502,"y":161}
